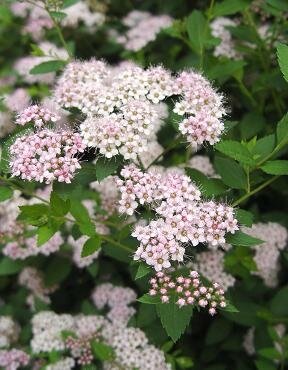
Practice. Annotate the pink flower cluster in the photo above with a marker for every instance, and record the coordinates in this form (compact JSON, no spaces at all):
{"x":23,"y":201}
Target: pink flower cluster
{"x":24,"y":248}
{"x":46,"y":156}
{"x":121,"y":105}
{"x":77,"y":245}
{"x":184,"y":218}
{"x":202,"y":107}
{"x":37,"y":115}
{"x":188,"y":290}
{"x":143,"y":28}
{"x":18,"y":100}
{"x":80,"y":349}
{"x":13,"y":359}
{"x":117,"y":299}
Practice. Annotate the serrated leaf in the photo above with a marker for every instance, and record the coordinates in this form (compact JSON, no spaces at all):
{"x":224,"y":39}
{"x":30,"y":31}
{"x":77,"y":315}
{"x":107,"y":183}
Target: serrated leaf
{"x":102,"y":351}
{"x":142,"y":271}
{"x":232,"y":174}
{"x":242,"y":239}
{"x":173,"y":318}
{"x":277,"y":167}
{"x":264,"y":147}
{"x":36,"y":214}
{"x":228,"y":7}
{"x":48,"y":67}
{"x":149,"y":299}
{"x":106,"y":167}
{"x":5,"y":193}
{"x":244,"y":217}
{"x":91,"y":245}
{"x":236,"y":150}
{"x":197,"y":30}
{"x":282,"y":130}
{"x":59,"y":207}
{"x":282,"y":55}
{"x":44,"y":233}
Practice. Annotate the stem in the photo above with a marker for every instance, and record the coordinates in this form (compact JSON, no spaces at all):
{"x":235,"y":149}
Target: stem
{"x":252,"y":192}
{"x":120,"y":245}
{"x":247,"y":93}
{"x":165,"y":151}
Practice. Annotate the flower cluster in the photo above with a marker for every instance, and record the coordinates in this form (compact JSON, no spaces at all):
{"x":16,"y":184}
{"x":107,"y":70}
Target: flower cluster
{"x":210,"y":264}
{"x":9,"y":211}
{"x":6,"y":125}
{"x":202,"y":107}
{"x":46,"y":156}
{"x":80,"y":12}
{"x":23,"y":248}
{"x":18,"y":100}
{"x":80,"y":348}
{"x":203,"y":164}
{"x":66,"y":363}
{"x":13,"y":359}
{"x":267,"y":254}
{"x":37,"y":115}
{"x":184,"y":218}
{"x":122,"y":105}
{"x":32,"y":280}
{"x":117,"y":299}
{"x":143,"y":28}
{"x":9,"y":331}
{"x":220,"y":29}
{"x":188,"y":290}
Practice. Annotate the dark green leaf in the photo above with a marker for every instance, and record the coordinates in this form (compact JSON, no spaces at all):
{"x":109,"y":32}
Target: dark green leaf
{"x":59,"y":207}
{"x":209,"y":187}
{"x":218,"y":331}
{"x":197,"y":30}
{"x":282,"y":55}
{"x":47,"y":67}
{"x":265,"y":365}
{"x":91,"y":245}
{"x":251,"y":124}
{"x":278,"y":167}
{"x":10,"y":267}
{"x":279,"y":303}
{"x":57,"y":270}
{"x":142,"y":271}
{"x":149,"y":299}
{"x":263,"y":147}
{"x":232,"y":174}
{"x":36,"y":214}
{"x":225,"y":69}
{"x":106,"y":167}
{"x":242,"y":239}
{"x":5,"y":193}
{"x":173,"y":318}
{"x":44,"y":233}
{"x":282,"y":130}
{"x":244,"y":217}
{"x":81,"y":215}
{"x":228,"y":7}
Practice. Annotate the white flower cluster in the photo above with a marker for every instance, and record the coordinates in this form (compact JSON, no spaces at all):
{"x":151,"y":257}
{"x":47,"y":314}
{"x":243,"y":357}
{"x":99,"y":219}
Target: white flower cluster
{"x":267,"y":254}
{"x":18,"y":100}
{"x":66,"y":363}
{"x":80,"y":12}
{"x":109,"y":194}
{"x":9,"y":211}
{"x":123,"y":108}
{"x":32,"y":279}
{"x":203,"y":164}
{"x":220,"y":29}
{"x":117,"y":299}
{"x":143,"y":28}
{"x":9,"y":331}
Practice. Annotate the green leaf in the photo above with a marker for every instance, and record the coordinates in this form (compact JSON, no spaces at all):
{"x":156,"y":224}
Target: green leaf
{"x":142,"y":271}
{"x":263,"y":147}
{"x":101,"y":351}
{"x":279,"y":303}
{"x":59,"y":207}
{"x":58,"y":16}
{"x":67,"y":3}
{"x":251,"y":124}
{"x":44,"y":233}
{"x":197,"y":30}
{"x":5,"y":193}
{"x":282,"y":130}
{"x":278,"y":167}
{"x":225,"y":69}
{"x":209,"y":187}
{"x":278,"y":4}
{"x":244,"y":217}
{"x":91,"y":245}
{"x":242,"y":239}
{"x":236,"y":150}
{"x":184,"y":362}
{"x":228,"y":7}
{"x":232,"y":174}
{"x":218,"y":331}
{"x":282,"y":55}
{"x":265,"y":365}
{"x":149,"y":299}
{"x":47,"y":67}
{"x":105,"y":167}
{"x":81,"y":215}
{"x":230,"y":308}
{"x":57,"y":270}
{"x":173,"y":318}
{"x":36,"y":214}
{"x":270,"y":353}
{"x":9,"y":266}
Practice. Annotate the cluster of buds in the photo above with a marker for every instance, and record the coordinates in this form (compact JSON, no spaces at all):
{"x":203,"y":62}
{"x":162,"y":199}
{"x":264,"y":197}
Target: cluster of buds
{"x":189,"y":291}
{"x":80,"y":349}
{"x":37,"y":115}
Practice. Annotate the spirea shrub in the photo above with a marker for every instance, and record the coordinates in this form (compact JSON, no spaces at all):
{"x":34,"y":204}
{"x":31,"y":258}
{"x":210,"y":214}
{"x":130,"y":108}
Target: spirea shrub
{"x":143,"y":211}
